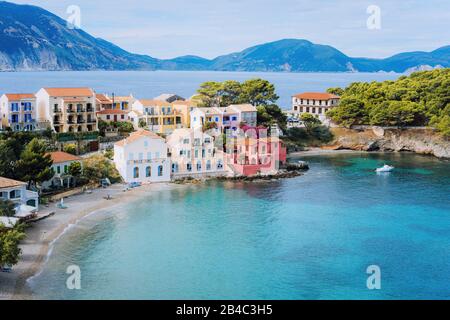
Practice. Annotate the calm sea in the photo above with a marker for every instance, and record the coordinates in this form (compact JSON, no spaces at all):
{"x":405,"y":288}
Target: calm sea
{"x":311,"y":237}
{"x":151,"y":84}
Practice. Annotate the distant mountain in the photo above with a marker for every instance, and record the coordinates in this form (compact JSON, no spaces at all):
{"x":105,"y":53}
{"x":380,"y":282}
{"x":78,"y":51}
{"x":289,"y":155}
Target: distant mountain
{"x":32,"y":38}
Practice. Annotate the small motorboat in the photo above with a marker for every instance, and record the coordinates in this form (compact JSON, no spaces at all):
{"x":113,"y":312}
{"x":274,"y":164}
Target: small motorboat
{"x":385,"y":168}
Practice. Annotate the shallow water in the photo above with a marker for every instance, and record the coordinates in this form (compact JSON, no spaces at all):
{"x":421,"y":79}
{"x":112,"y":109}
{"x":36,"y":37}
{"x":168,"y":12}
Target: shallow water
{"x":311,"y":237}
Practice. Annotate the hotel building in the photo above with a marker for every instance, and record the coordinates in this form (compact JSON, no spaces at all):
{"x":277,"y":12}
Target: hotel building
{"x":68,"y":109}
{"x":315,"y":103}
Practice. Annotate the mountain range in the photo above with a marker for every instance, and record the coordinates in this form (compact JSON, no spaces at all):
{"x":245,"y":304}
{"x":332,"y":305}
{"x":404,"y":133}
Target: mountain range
{"x":33,"y":39}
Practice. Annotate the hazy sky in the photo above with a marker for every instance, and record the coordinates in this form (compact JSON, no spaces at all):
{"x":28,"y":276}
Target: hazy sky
{"x":208,"y":28}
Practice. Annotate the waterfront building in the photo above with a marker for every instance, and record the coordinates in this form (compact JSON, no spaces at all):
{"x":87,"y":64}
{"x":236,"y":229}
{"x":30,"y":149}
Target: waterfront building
{"x":60,"y":166}
{"x":193,"y":153}
{"x":253,"y":152}
{"x":16,"y":192}
{"x":315,"y":103}
{"x":142,"y":157}
{"x":68,"y":109}
{"x":230,"y":117}
{"x":159,"y":116}
{"x":18,"y":111}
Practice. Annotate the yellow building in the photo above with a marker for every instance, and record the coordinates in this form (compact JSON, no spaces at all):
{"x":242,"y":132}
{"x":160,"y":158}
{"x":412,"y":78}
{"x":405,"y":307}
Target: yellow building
{"x":160,"y":116}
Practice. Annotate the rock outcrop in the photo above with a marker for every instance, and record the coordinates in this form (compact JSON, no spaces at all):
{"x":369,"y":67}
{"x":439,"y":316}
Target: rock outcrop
{"x":418,"y":140}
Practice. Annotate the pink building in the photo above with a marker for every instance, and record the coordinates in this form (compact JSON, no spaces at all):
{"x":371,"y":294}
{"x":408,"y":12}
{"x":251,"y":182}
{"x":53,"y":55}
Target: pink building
{"x":252,"y":152}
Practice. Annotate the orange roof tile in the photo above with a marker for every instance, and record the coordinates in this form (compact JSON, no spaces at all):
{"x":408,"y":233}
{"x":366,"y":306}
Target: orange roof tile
{"x":19,"y":96}
{"x":316,"y":96}
{"x":70,"y":92}
{"x":152,"y":102}
{"x":8,"y":183}
{"x":59,"y":157}
{"x":141,"y":133}
{"x":102,"y":98}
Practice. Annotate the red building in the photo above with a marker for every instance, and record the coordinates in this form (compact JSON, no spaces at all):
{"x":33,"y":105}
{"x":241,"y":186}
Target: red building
{"x":253,"y":152}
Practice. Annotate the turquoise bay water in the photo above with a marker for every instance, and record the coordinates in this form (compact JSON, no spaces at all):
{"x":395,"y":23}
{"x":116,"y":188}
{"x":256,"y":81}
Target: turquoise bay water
{"x":311,"y":237}
{"x":149,"y":84}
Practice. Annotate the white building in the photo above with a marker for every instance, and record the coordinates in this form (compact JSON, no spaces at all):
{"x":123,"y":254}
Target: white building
{"x":225,"y":118}
{"x":67,"y":109}
{"x":193,"y":153}
{"x":315,"y":103}
{"x":61,"y":163}
{"x":16,"y":192}
{"x":18,"y":111}
{"x":142,"y":157}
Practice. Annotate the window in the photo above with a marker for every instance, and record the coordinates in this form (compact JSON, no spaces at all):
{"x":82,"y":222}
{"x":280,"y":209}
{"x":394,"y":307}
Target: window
{"x":189,"y":167}
{"x":174,"y":167}
{"x":199,"y":166}
{"x":58,"y":169}
{"x":136,"y":172}
{"x":66,"y":168}
{"x":14,"y":194}
{"x":233,"y":118}
{"x":3,"y":195}
{"x":186,"y":141}
{"x":148,"y":172}
{"x":145,"y":144}
{"x":141,"y":156}
{"x":131,"y":156}
{"x":108,"y":117}
{"x":122,"y":117}
{"x":196,"y":154}
{"x":160,"y":171}
{"x":217,"y":119}
{"x":295,"y":108}
{"x":149,"y":155}
{"x":157,"y":155}
{"x":208,"y":165}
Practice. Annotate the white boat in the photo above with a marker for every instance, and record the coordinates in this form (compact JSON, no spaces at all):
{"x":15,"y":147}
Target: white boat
{"x":385,"y":168}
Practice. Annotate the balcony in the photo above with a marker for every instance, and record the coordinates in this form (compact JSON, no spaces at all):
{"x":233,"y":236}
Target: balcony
{"x":81,"y":121}
{"x":81,"y":110}
{"x":90,"y":109}
{"x":91,"y":121}
{"x":57,"y":110}
{"x":70,"y":110}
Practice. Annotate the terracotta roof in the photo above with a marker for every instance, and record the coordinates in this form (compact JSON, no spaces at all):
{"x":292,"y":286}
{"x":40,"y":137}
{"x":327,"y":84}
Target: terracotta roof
{"x":19,"y":96}
{"x":153,"y":102}
{"x":316,"y":96}
{"x":70,"y":92}
{"x":102,"y":98}
{"x":112,"y":111}
{"x":59,"y":157}
{"x":141,"y":133}
{"x":8,"y":183}
{"x":243,"y":107}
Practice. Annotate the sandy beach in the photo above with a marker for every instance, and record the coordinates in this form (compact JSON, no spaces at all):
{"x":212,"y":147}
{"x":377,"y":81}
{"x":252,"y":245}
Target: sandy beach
{"x":42,"y":234}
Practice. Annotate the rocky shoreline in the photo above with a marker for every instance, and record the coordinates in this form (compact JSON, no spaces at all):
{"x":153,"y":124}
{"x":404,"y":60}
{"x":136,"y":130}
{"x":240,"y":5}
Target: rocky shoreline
{"x":419,"y":140}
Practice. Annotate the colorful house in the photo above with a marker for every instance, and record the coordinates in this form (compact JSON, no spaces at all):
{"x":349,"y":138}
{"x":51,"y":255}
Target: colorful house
{"x":193,"y":154}
{"x":159,"y":116}
{"x":253,"y":152}
{"x":18,"y":111}
{"x":142,"y":157}
{"x":68,"y":109}
{"x":225,"y":118}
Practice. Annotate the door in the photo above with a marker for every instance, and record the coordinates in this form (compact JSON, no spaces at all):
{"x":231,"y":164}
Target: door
{"x":115,"y":118}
